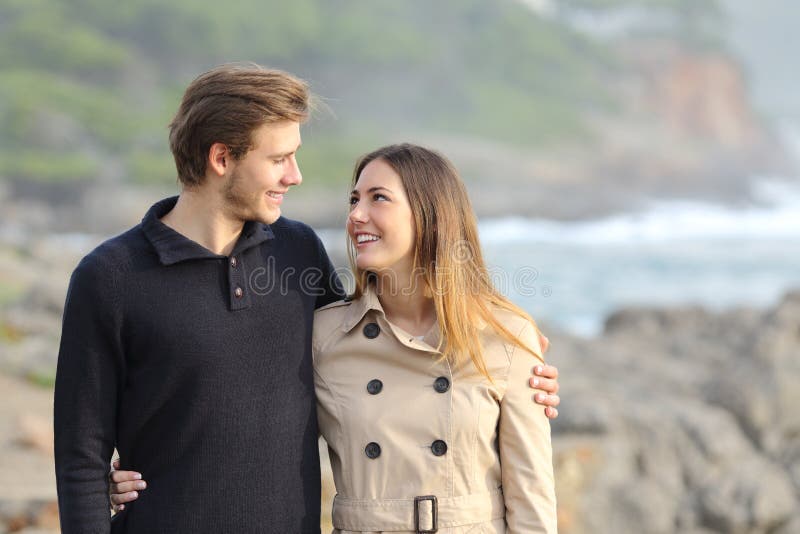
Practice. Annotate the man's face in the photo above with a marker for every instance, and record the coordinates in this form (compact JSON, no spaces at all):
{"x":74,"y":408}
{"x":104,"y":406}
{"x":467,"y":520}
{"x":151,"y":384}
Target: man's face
{"x":256,"y":185}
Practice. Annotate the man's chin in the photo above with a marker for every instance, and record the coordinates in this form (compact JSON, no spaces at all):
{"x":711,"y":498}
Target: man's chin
{"x":264,"y":216}
{"x":270,"y":217}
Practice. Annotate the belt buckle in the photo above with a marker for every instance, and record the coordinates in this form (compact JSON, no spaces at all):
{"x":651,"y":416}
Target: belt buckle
{"x":434,"y":514}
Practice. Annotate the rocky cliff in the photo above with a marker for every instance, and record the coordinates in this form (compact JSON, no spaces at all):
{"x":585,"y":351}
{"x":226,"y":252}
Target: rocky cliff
{"x":682,"y":421}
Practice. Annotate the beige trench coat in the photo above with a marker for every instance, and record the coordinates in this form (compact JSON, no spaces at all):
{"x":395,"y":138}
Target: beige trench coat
{"x":401,"y":424}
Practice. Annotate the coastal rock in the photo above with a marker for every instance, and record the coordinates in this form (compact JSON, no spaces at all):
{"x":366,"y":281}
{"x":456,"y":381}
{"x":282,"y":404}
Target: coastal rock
{"x":36,"y":433}
{"x":760,"y":384}
{"x":752,"y":496}
{"x":691,"y":419}
{"x":790,"y":527}
{"x":29,"y":517}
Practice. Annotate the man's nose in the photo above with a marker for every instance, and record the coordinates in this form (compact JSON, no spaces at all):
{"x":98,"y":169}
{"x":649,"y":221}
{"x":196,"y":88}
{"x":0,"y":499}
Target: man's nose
{"x":293,"y":176}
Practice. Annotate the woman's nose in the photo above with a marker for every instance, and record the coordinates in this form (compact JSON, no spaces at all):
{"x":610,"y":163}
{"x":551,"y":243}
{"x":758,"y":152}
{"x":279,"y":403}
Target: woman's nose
{"x":357,"y":214}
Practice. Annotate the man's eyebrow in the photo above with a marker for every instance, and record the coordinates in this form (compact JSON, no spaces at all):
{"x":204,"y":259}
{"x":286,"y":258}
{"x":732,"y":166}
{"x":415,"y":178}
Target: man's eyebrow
{"x":284,"y":154}
{"x":372,"y":190}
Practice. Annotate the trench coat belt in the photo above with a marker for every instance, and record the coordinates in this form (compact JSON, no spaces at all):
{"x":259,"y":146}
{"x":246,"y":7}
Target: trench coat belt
{"x":397,"y":515}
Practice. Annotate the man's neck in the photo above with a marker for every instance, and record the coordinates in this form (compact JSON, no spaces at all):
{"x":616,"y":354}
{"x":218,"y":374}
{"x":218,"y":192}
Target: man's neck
{"x":205,"y":221}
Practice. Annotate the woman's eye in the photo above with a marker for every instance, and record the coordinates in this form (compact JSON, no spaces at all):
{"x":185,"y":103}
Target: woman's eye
{"x":379,"y":196}
{"x":353,"y":201}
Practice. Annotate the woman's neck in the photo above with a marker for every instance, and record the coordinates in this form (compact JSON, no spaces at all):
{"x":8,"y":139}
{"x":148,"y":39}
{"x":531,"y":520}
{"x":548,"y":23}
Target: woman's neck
{"x":407,"y":307}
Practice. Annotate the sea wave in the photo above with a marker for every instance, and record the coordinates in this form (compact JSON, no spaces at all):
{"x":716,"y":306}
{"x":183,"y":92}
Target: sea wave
{"x":774,"y":213}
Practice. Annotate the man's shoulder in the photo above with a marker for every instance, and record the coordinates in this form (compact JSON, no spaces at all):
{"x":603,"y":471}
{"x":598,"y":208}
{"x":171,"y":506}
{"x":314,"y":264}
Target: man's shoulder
{"x":114,"y":254}
{"x":290,"y":228}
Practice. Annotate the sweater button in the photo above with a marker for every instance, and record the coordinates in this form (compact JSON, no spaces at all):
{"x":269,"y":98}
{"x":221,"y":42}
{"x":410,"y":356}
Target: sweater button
{"x":238,"y":292}
{"x":373,"y":450}
{"x":441,"y":384}
{"x":234,"y":263}
{"x":371,"y":330}
{"x":374,"y":386}
{"x":438,"y":447}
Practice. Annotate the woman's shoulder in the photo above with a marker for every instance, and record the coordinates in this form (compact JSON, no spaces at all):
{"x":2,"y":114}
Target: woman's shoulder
{"x":512,"y":320}
{"x":519,"y":326}
{"x":331,"y":315}
{"x":328,"y":319}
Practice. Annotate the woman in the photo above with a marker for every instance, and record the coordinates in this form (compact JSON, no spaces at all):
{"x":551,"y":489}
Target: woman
{"x":421,"y":376}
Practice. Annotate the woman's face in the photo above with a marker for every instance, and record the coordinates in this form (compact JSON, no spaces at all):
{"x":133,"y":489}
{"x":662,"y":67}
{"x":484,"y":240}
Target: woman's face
{"x":380,"y":223}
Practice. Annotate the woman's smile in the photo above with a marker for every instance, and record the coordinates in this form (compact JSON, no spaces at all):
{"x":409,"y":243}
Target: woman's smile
{"x":381,"y":224}
{"x":365,"y":239}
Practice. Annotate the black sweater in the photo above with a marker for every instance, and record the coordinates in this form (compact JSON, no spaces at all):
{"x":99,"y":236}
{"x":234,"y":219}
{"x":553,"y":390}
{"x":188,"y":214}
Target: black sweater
{"x":197,"y":367}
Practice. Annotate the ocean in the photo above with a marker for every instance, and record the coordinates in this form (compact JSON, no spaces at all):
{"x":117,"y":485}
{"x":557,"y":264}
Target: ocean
{"x":676,"y":253}
{"x":571,"y":275}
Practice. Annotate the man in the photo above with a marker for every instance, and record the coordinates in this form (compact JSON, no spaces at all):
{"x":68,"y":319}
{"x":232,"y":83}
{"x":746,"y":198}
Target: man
{"x":186,"y":340}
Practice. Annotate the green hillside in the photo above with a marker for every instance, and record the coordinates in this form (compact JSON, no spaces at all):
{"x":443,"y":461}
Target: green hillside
{"x":88,"y":87}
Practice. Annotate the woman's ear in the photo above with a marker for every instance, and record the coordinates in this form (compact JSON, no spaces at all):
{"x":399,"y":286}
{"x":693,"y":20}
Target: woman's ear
{"x":219,"y":158}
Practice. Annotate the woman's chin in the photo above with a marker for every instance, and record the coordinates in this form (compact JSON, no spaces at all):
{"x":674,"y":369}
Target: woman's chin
{"x":366,"y":265}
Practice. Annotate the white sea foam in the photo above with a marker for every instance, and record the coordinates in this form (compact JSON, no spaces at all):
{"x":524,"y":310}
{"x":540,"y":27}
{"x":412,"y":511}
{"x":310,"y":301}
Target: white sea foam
{"x":774,"y":215}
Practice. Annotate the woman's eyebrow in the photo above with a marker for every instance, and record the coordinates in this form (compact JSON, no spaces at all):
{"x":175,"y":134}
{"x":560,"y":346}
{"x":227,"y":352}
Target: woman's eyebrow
{"x":372,"y":190}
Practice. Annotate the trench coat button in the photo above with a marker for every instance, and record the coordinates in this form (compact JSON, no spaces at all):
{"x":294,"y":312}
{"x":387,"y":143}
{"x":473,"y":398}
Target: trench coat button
{"x":374,"y":386}
{"x":373,"y":450}
{"x":371,"y":330}
{"x":441,"y":384}
{"x":238,"y":292}
{"x":438,"y":447}
{"x":234,"y":262}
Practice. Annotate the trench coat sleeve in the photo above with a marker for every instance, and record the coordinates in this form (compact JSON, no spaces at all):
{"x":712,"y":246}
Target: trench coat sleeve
{"x":328,"y":415}
{"x":327,"y":409}
{"x":526,"y":455}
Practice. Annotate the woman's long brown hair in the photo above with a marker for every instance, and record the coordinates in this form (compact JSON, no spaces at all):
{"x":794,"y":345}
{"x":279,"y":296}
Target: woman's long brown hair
{"x":448,"y":256}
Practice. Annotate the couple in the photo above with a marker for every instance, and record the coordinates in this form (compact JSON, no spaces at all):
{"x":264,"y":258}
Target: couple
{"x":187,"y":344}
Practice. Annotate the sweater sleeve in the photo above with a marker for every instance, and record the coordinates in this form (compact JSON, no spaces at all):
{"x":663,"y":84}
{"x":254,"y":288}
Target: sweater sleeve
{"x":331,"y":285}
{"x":90,"y":370}
{"x":526,"y":455}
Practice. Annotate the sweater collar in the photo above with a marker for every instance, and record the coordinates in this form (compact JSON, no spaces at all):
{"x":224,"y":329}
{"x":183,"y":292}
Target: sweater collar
{"x":173,"y":247}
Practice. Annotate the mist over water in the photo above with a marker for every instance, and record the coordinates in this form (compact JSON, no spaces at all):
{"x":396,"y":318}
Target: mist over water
{"x":579,"y":283}
{"x":676,"y":253}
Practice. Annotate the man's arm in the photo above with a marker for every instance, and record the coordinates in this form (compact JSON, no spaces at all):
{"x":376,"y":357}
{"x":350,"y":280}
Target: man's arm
{"x":90,"y":370}
{"x":545,"y":379}
{"x":332,"y":289}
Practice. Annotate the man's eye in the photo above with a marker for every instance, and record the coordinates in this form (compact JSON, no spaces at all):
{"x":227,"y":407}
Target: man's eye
{"x":278,"y":161}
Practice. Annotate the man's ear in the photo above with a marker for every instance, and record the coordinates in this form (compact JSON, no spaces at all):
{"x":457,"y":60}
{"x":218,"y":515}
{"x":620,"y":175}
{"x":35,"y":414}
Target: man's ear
{"x":219,"y":159}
